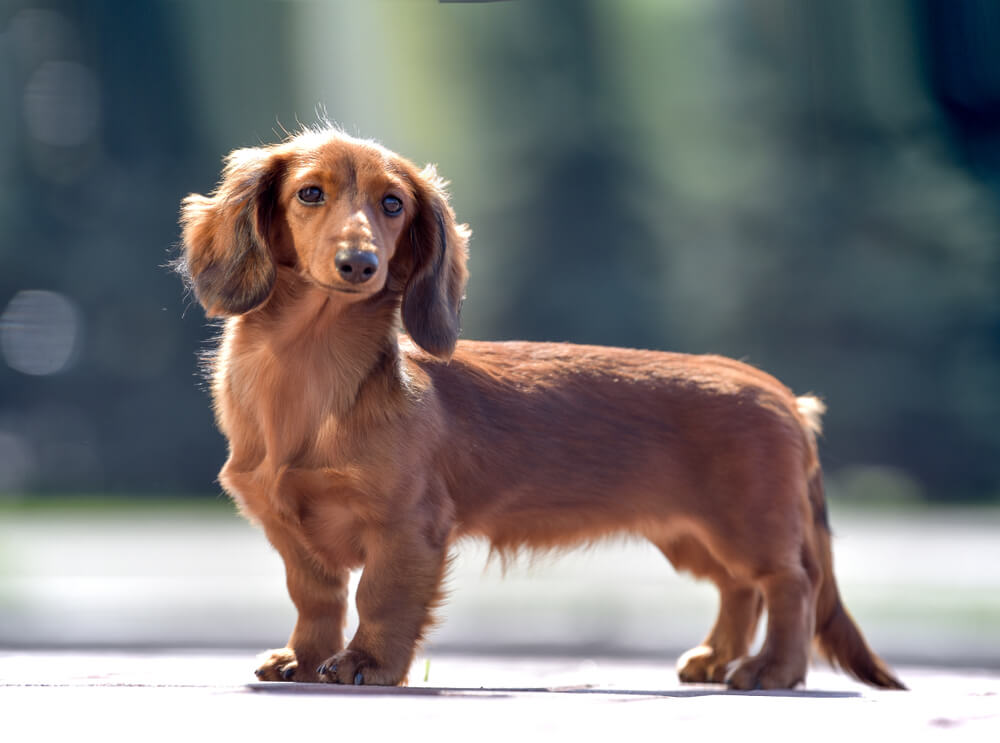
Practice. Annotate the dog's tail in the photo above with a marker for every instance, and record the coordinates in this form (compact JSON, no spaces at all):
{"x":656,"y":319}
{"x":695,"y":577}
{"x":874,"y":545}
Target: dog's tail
{"x":838,"y":637}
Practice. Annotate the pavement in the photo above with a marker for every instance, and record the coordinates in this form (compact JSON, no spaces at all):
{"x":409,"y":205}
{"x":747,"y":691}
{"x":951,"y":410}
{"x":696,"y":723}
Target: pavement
{"x":145,"y":623}
{"x":61,"y":695}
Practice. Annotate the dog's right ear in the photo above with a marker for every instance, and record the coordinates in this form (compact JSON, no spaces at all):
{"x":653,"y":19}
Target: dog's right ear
{"x":226,"y":256}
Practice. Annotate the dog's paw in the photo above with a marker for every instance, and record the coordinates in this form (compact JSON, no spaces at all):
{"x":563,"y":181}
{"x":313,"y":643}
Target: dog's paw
{"x":358,"y":668}
{"x":283,"y":665}
{"x":701,"y":665}
{"x":762,"y":672}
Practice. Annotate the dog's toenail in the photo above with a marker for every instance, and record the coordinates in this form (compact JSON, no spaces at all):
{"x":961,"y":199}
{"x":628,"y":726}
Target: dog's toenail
{"x":358,"y":679}
{"x":288,"y":673}
{"x":259,"y":673}
{"x":321,"y":670}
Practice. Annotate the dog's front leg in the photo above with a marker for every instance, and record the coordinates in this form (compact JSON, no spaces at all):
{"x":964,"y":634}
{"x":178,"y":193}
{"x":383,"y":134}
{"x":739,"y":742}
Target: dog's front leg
{"x":320,"y":596}
{"x":400,"y":584}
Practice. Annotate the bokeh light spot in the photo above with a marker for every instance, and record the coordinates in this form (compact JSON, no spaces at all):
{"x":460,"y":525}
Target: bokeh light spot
{"x":39,"y":332}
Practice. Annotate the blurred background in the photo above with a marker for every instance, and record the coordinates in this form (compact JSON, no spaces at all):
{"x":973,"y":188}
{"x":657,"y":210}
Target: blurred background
{"x":809,"y":186}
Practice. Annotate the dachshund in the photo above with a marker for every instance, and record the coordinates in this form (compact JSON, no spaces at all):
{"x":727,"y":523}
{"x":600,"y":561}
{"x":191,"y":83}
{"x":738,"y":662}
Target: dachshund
{"x":354,"y":444}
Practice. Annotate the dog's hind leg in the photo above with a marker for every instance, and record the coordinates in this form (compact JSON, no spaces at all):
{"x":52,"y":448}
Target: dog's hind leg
{"x":740,"y":606}
{"x":784,"y":658}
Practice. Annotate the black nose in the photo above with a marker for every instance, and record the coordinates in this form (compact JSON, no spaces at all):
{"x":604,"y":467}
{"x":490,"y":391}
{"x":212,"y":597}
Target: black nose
{"x":355,"y":266}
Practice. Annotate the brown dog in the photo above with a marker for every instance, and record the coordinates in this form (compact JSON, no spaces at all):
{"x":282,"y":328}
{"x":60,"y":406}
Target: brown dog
{"x":353,"y":446}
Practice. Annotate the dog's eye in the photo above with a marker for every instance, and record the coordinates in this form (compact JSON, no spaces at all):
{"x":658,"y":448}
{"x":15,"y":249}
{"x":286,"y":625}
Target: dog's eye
{"x":392,"y":205}
{"x":311,"y":195}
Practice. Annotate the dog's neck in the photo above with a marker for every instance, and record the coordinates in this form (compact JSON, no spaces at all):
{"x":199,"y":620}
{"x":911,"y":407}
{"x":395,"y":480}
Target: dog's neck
{"x":330,"y":339}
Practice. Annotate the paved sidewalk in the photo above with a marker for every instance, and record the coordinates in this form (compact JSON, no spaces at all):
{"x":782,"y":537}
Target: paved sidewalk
{"x":925,"y":589}
{"x":62,"y":696}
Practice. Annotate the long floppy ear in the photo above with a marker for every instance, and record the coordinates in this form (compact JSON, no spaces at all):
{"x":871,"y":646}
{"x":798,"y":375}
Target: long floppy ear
{"x":432,"y":297}
{"x":226,"y":255}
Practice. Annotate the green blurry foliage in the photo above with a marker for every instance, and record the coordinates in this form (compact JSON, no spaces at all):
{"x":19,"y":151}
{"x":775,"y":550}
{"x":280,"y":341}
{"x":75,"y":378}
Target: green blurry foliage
{"x":811,"y":187}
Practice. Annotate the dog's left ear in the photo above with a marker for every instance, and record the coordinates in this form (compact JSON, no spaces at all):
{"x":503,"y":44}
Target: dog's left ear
{"x":435,"y":288}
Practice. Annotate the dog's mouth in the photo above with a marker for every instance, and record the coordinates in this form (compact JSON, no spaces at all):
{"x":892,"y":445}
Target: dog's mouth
{"x":330,"y":282}
{"x":333,"y":288}
{"x":338,"y":289}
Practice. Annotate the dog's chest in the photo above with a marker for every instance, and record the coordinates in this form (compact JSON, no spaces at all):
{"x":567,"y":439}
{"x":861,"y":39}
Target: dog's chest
{"x":282,"y":406}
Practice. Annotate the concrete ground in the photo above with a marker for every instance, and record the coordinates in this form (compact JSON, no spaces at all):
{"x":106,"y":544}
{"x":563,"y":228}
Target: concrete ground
{"x":59,"y":695}
{"x":94,"y":604}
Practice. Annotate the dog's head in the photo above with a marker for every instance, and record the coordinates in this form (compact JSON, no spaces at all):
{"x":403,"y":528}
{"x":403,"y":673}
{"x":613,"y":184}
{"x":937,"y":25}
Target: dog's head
{"x":346,"y":215}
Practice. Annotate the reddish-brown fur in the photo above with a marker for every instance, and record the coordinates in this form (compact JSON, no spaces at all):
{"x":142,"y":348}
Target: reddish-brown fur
{"x":355,"y":447}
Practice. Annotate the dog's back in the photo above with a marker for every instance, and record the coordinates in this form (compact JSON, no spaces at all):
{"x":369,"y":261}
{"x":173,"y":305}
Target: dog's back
{"x":549,"y":443}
